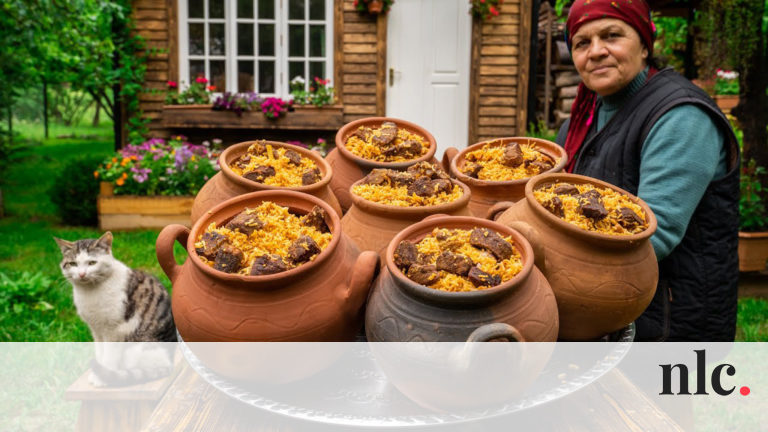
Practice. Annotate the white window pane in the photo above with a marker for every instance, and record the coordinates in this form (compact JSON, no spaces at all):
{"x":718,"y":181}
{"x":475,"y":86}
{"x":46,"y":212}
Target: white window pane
{"x":245,"y":78}
{"x":317,"y":9}
{"x":218,"y":75}
{"x":266,"y":76}
{"x":317,"y":41}
{"x":267,"y":9}
{"x":244,"y":39}
{"x":216,"y":39}
{"x":195,"y":9}
{"x":266,"y":39}
{"x":296,"y":9}
{"x":245,"y":8}
{"x":216,"y":8}
{"x":296,"y":40}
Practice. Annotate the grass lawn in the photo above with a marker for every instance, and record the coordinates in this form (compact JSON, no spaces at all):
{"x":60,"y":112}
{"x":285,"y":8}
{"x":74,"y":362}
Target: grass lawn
{"x":27,"y":244}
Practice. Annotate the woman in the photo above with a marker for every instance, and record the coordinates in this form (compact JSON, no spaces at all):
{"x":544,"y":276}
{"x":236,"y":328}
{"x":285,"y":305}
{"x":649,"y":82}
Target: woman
{"x":658,"y":136}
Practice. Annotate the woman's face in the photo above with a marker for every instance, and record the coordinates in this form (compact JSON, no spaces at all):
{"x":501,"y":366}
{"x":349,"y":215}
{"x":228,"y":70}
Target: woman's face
{"x":608,"y":54}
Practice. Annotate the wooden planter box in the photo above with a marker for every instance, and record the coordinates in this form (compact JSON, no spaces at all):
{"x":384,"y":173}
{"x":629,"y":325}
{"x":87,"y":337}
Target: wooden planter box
{"x":753,"y":251}
{"x":202,"y":116}
{"x":726,"y":102}
{"x":122,"y":212}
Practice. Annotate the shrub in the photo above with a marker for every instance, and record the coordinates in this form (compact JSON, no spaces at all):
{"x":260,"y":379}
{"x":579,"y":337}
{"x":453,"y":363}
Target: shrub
{"x":74,"y":192}
{"x":20,"y":292}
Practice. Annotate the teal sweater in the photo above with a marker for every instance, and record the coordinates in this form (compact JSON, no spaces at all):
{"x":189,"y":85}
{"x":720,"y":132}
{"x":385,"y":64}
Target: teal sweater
{"x":682,"y":154}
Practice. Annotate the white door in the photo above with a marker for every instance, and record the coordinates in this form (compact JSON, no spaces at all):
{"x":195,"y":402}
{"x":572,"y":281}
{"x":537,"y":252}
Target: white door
{"x":428,"y":53}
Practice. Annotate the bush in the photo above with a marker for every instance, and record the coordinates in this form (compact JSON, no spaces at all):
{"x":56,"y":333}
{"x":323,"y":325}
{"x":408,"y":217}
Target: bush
{"x":75,"y":190}
{"x":24,"y":291}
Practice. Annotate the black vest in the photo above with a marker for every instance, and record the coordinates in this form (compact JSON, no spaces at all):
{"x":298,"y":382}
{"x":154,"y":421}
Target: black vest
{"x":698,"y":282}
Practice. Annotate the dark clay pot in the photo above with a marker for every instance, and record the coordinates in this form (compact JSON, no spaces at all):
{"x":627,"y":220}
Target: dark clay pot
{"x":349,"y":168}
{"x":226,"y":184}
{"x":400,"y":310}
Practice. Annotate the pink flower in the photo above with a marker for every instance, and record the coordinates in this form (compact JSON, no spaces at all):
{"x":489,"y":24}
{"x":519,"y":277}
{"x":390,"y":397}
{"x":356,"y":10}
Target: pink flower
{"x":172,"y":84}
{"x":201,"y":80}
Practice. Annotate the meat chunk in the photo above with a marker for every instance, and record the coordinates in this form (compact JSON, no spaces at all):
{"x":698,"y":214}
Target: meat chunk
{"x":311,"y":176}
{"x":400,"y":178}
{"x":491,"y":241}
{"x":293,"y":156}
{"x":422,"y":187}
{"x":591,"y":195}
{"x":303,"y":249}
{"x":555,"y":206}
{"x":212,"y":241}
{"x":426,"y":169}
{"x":243,"y":161}
{"x":257,"y":148}
{"x":228,"y":259}
{"x":566,"y":189}
{"x":458,"y":264}
{"x":316,"y":219}
{"x":245,"y":223}
{"x":406,"y":149}
{"x":378,"y":177}
{"x":472,"y":169}
{"x":592,"y":208}
{"x":423,"y":274}
{"x":442,"y":185}
{"x":260,"y":173}
{"x":364,"y":133}
{"x":267,"y":265}
{"x":385,"y":135}
{"x":542,"y":165}
{"x":629,"y":219}
{"x":480,"y":278}
{"x":406,"y":255}
{"x":513,"y":155}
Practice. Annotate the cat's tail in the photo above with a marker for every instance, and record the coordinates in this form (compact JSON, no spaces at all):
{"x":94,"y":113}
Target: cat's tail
{"x":126,"y":377}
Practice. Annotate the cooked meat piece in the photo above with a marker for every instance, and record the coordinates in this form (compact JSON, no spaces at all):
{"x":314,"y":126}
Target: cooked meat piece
{"x":454,"y":263}
{"x":426,"y":169}
{"x":513,"y":155}
{"x":316,"y":219}
{"x":257,"y":148}
{"x":472,"y":169}
{"x":406,"y":255}
{"x":363,"y":133}
{"x":591,"y":194}
{"x":441,"y":185}
{"x":442,"y":236}
{"x":544,"y":165}
{"x":243,"y":161}
{"x":303,"y":249}
{"x":480,"y":278}
{"x":293,"y":157}
{"x":411,"y":148}
{"x":385,"y":135}
{"x":629,"y":219}
{"x":245,"y":223}
{"x":212,"y":241}
{"x":311,"y":176}
{"x":388,"y":124}
{"x":400,"y":178}
{"x":491,"y":241}
{"x":393,"y":150}
{"x":592,"y":208}
{"x":228,"y":259}
{"x":555,"y":206}
{"x":423,"y":274}
{"x":422,"y":187}
{"x":566,"y":189}
{"x":377,"y":176}
{"x":267,"y":265}
{"x":260,"y":173}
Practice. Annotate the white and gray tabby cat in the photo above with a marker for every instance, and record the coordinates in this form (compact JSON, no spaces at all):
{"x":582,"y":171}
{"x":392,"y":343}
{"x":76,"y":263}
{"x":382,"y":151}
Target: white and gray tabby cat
{"x":119,"y":304}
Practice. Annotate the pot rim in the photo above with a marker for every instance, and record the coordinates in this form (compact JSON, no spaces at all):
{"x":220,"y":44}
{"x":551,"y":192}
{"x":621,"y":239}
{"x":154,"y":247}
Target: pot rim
{"x":236,"y":150}
{"x":374,"y":207}
{"x":255,"y":198}
{"x":421,"y":229}
{"x":555,"y":221}
{"x":551,"y":149}
{"x":367,"y":164}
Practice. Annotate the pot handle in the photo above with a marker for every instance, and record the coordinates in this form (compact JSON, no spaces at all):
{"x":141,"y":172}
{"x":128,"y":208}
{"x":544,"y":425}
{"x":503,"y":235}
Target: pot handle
{"x":360,"y":280}
{"x":497,"y":209}
{"x":532,"y":235}
{"x":448,"y":156}
{"x":164,"y":248}
{"x":489,"y":332}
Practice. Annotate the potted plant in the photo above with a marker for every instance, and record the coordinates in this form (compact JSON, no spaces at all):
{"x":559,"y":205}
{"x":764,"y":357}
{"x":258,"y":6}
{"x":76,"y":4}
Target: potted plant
{"x":486,"y":9}
{"x":153,"y":184}
{"x":753,"y":226}
{"x":373,"y":7}
{"x":726,"y":89}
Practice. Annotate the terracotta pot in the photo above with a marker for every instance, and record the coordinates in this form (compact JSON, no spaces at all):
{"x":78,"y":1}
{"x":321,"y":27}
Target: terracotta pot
{"x":226,"y":184}
{"x":753,"y":251}
{"x":318,"y":301}
{"x":602,"y":282}
{"x":375,"y":6}
{"x":727,"y":102}
{"x":373,"y":225}
{"x":487,"y":193}
{"x":400,"y":310}
{"x":349,"y":168}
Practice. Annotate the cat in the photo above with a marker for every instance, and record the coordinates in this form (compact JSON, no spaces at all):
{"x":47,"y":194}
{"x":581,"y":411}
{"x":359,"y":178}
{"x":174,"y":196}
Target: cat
{"x":119,"y":304}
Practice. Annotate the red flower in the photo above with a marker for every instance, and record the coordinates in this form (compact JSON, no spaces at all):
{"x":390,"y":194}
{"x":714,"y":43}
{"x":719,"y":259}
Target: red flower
{"x":172,"y":84}
{"x":355,"y":3}
{"x":211,"y":88}
{"x":201,"y":80}
{"x":482,"y":1}
{"x":493,"y":10}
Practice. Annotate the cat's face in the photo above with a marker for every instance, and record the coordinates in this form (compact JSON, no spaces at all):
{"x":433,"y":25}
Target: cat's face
{"x":87,"y":261}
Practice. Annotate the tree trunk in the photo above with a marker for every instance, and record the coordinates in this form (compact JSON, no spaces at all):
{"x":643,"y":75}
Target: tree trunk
{"x":117,"y":116}
{"x":96,"y":119}
{"x":45,"y":106}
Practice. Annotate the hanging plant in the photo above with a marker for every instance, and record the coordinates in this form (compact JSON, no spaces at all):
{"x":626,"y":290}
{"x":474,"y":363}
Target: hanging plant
{"x":486,"y":9}
{"x":373,"y":7}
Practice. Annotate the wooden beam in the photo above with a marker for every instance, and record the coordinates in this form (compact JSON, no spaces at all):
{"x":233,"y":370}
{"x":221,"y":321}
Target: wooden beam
{"x":381,"y":76}
{"x":524,"y":67}
{"x":474,"y":75}
{"x":173,"y":40}
{"x":339,"y":28}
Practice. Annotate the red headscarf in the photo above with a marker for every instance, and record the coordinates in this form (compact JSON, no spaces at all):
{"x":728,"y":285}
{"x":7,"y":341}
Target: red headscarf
{"x":637,"y":14}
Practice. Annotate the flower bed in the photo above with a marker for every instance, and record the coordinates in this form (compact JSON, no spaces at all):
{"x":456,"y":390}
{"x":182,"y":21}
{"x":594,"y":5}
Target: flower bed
{"x":308,"y":117}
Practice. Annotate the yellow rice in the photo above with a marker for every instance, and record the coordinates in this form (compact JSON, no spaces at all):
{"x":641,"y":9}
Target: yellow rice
{"x":458,"y":242}
{"x":612,"y":201}
{"x":490,"y":157}
{"x":286,"y":173}
{"x":281,"y":228}
{"x":368,"y":150}
{"x":398,"y":195}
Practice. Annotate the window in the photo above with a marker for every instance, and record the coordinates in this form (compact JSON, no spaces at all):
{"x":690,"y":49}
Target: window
{"x":255,"y":45}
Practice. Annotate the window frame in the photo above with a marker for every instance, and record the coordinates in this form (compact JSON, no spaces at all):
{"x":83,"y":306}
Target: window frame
{"x":231,"y":59}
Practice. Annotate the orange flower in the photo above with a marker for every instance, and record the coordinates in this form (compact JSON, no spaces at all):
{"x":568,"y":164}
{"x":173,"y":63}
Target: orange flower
{"x":133,"y":158}
{"x":124,"y":162}
{"x":114,"y":159}
{"x":120,"y":181}
{"x":95,"y":174}
{"x":109,"y":165}
{"x":124,"y":176}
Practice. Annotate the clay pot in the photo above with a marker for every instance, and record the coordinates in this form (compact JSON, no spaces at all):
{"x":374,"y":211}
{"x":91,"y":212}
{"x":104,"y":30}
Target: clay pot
{"x":602,"y":282}
{"x":373,"y":225}
{"x":318,"y":301}
{"x":226,"y":184}
{"x":487,"y":193}
{"x":375,"y":6}
{"x":349,"y":168}
{"x":400,"y":310}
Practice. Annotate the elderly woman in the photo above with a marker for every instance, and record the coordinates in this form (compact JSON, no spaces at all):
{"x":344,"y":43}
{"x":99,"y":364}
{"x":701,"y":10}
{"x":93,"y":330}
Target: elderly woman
{"x":653,"y":133}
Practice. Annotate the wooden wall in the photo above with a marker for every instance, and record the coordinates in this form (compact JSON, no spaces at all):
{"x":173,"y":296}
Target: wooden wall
{"x":499,"y":73}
